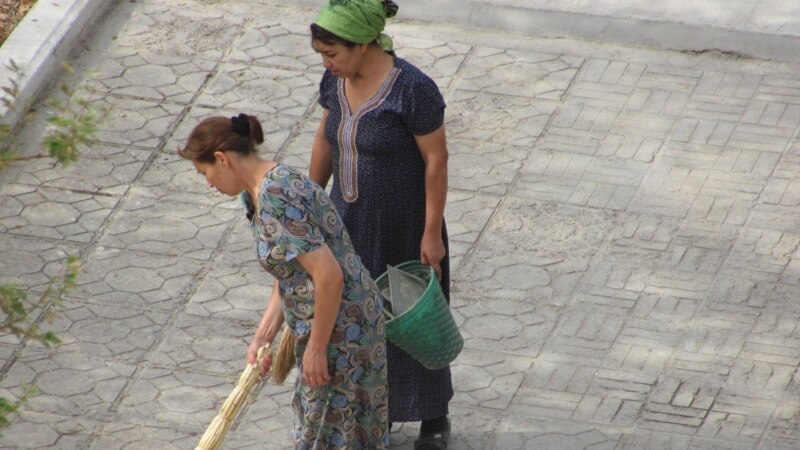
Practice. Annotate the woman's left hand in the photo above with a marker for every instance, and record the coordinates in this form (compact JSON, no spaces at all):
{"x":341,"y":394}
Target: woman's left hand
{"x":315,"y":367}
{"x":432,"y":251}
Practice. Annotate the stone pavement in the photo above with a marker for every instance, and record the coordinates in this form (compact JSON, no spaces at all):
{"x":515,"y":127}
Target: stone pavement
{"x":624,"y":228}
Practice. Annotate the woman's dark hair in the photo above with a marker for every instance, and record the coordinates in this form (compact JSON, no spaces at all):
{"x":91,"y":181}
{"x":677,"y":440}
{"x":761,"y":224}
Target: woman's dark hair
{"x":238,"y":134}
{"x":326,"y":37}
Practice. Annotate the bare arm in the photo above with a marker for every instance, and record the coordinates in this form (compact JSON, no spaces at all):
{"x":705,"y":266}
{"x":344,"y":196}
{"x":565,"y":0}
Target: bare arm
{"x":328,"y":282}
{"x":271,"y":322}
{"x":321,"y":166}
{"x":433,"y":147}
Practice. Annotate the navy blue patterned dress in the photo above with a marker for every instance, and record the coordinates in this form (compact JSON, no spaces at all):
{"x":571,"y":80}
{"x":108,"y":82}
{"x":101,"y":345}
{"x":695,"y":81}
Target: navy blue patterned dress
{"x":379,"y":190}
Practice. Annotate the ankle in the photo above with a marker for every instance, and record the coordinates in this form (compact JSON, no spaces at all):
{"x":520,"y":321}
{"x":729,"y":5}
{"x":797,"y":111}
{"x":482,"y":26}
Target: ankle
{"x":436,"y":425}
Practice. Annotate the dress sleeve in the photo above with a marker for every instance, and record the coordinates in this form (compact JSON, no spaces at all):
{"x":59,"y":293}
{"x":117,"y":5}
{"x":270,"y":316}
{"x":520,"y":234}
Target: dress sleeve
{"x":325,"y":92}
{"x":424,"y":110}
{"x":289,"y":220}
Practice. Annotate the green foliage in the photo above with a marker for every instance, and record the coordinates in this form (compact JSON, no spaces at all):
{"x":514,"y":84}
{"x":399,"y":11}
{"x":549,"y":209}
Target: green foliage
{"x":21,"y":316}
{"x":72,"y":126}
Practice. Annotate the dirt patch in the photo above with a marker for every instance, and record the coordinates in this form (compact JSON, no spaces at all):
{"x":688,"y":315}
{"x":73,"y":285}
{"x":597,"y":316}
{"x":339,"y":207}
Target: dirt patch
{"x":11,"y":12}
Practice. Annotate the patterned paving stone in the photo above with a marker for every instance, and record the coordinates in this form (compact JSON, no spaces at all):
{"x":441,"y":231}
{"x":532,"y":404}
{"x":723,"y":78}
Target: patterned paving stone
{"x":192,"y":30}
{"x":270,"y":412}
{"x":53,"y":213}
{"x":33,"y":430}
{"x":239,"y":86}
{"x":146,"y":75}
{"x":738,"y":417}
{"x":678,"y":405}
{"x":34,"y":263}
{"x":518,"y":73}
{"x":644,"y":345}
{"x":781,"y":193}
{"x":467,"y":215}
{"x":504,"y":326}
{"x":145,"y":280}
{"x":7,"y":352}
{"x":598,"y":182}
{"x":171,"y":178}
{"x":278,"y":43}
{"x":713,"y":344}
{"x":501,"y":119}
{"x":555,"y":233}
{"x":66,"y":384}
{"x":440,"y":61}
{"x":208,"y":346}
{"x":541,"y":267}
{"x":784,"y":429}
{"x":775,"y":217}
{"x":783,"y":189}
{"x":487,"y":380}
{"x":670,"y":78}
{"x":297,"y":150}
{"x":778,"y":89}
{"x":764,"y":252}
{"x":167,"y":398}
{"x":125,"y":436}
{"x":650,"y":440}
{"x":583,"y":129}
{"x":728,"y":84}
{"x":167,"y":228}
{"x":557,"y":388}
{"x":584,"y":334}
{"x":482,"y":166}
{"x":140,"y":123}
{"x":523,"y":430}
{"x":759,"y":373}
{"x":237,"y":288}
{"x":657,"y":256}
{"x":111,"y":332}
{"x":605,"y":72}
{"x":103,"y":169}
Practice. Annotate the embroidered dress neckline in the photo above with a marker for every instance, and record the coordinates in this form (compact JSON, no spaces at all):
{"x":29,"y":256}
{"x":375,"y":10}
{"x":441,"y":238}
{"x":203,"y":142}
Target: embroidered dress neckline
{"x":348,"y":128}
{"x":376,"y":98}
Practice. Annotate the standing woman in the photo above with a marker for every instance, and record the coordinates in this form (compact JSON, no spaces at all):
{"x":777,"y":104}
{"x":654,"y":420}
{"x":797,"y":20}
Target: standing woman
{"x":323,"y":291}
{"x":382,"y":138}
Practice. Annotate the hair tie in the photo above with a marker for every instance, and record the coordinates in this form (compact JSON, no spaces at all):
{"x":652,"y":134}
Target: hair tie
{"x":241,"y":124}
{"x":390,"y":7}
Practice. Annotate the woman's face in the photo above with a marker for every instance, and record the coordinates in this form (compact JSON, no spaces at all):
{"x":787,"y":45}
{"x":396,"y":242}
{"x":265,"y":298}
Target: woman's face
{"x":219,"y":175}
{"x":342,"y":61}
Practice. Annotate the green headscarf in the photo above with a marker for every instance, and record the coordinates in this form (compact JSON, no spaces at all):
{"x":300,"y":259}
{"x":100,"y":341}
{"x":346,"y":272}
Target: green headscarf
{"x":359,"y":21}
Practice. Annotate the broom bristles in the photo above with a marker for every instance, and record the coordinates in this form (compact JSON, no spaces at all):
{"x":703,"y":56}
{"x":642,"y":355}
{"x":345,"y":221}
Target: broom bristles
{"x":283,"y":360}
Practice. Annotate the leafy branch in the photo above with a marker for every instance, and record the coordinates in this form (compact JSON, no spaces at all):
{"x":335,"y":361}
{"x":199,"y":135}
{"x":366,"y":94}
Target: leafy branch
{"x":72,"y":126}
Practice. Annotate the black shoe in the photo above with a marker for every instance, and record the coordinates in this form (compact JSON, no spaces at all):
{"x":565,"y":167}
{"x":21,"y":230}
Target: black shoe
{"x":433,"y":441}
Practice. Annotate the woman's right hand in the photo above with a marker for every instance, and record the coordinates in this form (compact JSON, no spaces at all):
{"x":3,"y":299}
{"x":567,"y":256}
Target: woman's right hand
{"x":252,"y":354}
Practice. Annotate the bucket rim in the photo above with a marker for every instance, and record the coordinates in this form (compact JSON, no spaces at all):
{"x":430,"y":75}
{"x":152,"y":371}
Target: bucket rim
{"x":433,"y":282}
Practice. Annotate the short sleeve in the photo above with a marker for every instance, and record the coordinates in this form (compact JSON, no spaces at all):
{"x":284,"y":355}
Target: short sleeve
{"x":289,"y":224}
{"x":424,"y":106}
{"x":326,"y":86}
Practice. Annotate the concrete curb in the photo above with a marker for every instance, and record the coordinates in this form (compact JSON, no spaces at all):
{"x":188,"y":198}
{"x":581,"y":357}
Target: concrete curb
{"x":45,"y":36}
{"x":629,"y":31}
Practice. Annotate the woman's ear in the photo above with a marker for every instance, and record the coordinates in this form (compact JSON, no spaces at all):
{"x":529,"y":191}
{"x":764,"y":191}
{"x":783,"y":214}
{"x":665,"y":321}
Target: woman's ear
{"x":221,"y":157}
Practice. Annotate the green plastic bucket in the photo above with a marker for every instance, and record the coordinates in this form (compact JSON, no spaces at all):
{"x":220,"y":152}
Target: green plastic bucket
{"x":427,"y":330}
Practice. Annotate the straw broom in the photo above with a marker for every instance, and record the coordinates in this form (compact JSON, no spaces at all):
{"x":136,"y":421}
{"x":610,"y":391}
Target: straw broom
{"x":282,"y":364}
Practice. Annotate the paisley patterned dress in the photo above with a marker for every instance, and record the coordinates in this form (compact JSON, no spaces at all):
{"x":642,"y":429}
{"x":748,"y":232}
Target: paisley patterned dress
{"x":295,"y":216}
